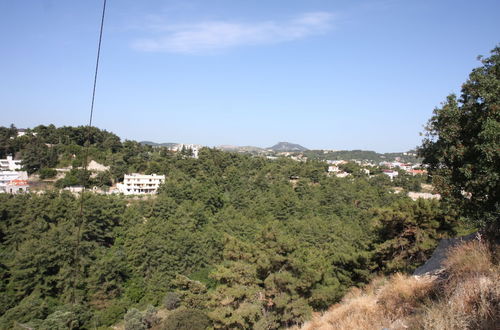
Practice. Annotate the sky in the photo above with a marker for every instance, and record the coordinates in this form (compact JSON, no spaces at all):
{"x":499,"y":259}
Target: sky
{"x":322,"y":73}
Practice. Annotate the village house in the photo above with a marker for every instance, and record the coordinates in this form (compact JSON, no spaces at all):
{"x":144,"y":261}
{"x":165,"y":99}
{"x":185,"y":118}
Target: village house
{"x":390,"y":173}
{"x":17,"y":187}
{"x":417,"y":172}
{"x":13,"y":182}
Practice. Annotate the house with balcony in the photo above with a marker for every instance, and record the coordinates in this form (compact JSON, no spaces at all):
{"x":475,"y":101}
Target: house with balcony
{"x":9,"y":164}
{"x":140,"y":184}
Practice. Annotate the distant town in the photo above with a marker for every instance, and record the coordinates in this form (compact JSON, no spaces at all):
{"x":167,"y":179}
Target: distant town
{"x":14,"y":179}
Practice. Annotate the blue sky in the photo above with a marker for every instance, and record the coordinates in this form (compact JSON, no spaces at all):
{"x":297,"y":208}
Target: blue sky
{"x":324,"y":74}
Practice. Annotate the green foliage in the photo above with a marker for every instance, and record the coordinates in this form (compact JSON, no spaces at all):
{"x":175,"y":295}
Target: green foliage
{"x":361,"y":155}
{"x":36,"y":155}
{"x":409,"y":231}
{"x":171,"y":300}
{"x":248,"y":241}
{"x":103,"y":179}
{"x":266,"y":284}
{"x":7,"y":141}
{"x":462,"y":145}
{"x":136,"y":320}
{"x":408,"y":181}
{"x":186,"y":319}
{"x":47,"y":173}
{"x":193,"y":294}
{"x":75,"y":177}
{"x":133,"y":320}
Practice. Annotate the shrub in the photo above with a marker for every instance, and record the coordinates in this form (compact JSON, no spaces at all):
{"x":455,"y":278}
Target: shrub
{"x":149,"y":317}
{"x":186,"y":319}
{"x":60,"y":320}
{"x":469,"y":258}
{"x":133,"y":320}
{"x":136,"y":320}
{"x":466,"y":297}
{"x":171,"y":300}
{"x":47,"y":173}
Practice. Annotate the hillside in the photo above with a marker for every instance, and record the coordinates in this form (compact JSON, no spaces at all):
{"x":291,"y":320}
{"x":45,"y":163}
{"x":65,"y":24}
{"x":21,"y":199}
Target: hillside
{"x":465,"y":294}
{"x":154,"y":144}
{"x":287,"y":147}
{"x":362,"y":155}
{"x":222,"y":235}
{"x":244,"y":149}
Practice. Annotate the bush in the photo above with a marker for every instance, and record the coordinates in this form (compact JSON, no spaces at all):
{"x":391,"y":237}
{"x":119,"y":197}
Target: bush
{"x":76,"y":177}
{"x":133,"y":320}
{"x":47,"y":173}
{"x":136,"y":320}
{"x":171,"y":300}
{"x":103,"y":179}
{"x":149,"y":317}
{"x":186,"y":319}
{"x":60,"y":320}
{"x":112,"y":314}
{"x":465,"y":296}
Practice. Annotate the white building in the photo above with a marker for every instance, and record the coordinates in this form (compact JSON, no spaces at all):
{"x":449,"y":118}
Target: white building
{"x":336,"y":162}
{"x":17,"y":187}
{"x":13,"y":182}
{"x":333,"y":169}
{"x":416,"y":195}
{"x":10,"y":164}
{"x":21,"y":132}
{"x":390,"y":173}
{"x":195,"y":148}
{"x":140,"y":184}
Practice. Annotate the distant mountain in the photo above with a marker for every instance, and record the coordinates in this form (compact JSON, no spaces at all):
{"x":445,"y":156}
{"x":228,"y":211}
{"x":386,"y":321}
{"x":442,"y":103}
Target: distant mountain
{"x":249,"y":149}
{"x":287,"y":146}
{"x":154,"y":144}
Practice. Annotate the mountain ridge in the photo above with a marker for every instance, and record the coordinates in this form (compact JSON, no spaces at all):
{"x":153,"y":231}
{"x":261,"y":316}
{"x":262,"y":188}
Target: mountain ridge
{"x":287,"y":146}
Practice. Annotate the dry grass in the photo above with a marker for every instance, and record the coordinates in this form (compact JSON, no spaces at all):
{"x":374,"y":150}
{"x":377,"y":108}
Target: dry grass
{"x":467,"y":297}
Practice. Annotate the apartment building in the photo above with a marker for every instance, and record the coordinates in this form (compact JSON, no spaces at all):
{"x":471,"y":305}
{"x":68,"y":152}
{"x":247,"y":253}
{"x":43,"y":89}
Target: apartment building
{"x":9,"y":164}
{"x":140,"y":184}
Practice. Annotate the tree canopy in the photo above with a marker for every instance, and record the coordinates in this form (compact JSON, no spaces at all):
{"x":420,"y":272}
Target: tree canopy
{"x":462,"y":145}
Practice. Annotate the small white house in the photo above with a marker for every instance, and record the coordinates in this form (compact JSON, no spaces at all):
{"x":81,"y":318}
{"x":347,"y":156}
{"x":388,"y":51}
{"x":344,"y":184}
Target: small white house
{"x":10,"y":164}
{"x":390,"y":173}
{"x":140,"y":184}
{"x":17,"y":187}
{"x":13,"y":182}
{"x":333,"y":169}
{"x":21,"y":132}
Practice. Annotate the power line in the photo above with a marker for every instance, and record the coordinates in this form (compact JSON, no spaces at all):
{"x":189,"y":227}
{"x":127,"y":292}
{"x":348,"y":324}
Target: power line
{"x":81,"y":222}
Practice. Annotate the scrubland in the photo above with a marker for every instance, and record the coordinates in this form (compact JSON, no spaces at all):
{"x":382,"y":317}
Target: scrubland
{"x":465,"y":294}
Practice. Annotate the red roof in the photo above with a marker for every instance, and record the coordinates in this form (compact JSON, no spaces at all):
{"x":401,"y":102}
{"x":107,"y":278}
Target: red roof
{"x":19,"y":182}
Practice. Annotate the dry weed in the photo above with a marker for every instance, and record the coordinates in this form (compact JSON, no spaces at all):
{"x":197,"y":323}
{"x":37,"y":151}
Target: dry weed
{"x":467,"y":298}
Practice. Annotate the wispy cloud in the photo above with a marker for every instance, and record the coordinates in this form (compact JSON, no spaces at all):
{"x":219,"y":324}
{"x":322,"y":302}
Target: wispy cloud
{"x":219,"y":35}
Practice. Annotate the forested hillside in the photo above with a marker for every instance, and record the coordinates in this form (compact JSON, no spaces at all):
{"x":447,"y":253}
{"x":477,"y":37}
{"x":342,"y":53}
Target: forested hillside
{"x":235,"y":241}
{"x":462,"y":150}
{"x":229,"y":237}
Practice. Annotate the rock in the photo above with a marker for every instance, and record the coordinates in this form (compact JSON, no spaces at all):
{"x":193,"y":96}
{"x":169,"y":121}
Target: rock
{"x":435,"y":263}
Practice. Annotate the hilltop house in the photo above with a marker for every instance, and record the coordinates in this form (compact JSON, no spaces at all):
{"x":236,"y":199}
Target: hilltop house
{"x":140,"y":184}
